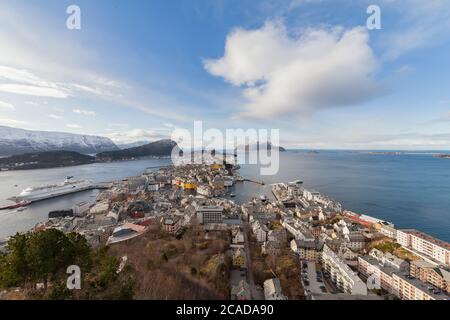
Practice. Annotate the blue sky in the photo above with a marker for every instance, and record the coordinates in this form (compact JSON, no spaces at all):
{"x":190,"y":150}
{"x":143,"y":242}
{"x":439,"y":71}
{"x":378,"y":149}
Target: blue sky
{"x":138,"y":69}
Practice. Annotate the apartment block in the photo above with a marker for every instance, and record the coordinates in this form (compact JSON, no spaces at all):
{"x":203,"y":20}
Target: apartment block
{"x":422,"y":243}
{"x":341,"y":274}
{"x":381,"y":275}
{"x":407,"y":287}
{"x":432,"y":274}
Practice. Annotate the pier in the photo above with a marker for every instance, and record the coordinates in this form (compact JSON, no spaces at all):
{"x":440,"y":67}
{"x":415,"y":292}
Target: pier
{"x":253,"y":181}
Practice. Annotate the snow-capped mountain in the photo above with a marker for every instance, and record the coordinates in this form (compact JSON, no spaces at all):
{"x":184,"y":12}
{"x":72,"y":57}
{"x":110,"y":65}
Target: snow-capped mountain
{"x":18,"y":141}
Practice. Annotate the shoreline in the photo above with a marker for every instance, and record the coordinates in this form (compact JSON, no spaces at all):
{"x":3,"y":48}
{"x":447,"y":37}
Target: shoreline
{"x":257,"y":190}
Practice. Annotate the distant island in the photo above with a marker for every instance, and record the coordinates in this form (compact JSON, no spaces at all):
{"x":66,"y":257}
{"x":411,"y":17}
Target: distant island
{"x":46,"y":159}
{"x":55,"y":159}
{"x":443,"y":156}
{"x":392,"y":153}
{"x":259,"y":146}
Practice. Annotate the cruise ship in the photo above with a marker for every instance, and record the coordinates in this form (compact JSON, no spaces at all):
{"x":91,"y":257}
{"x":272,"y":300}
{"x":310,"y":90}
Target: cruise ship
{"x":33,"y":194}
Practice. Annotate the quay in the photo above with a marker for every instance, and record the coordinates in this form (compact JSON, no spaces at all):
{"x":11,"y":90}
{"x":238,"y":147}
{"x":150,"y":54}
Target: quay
{"x":253,"y":181}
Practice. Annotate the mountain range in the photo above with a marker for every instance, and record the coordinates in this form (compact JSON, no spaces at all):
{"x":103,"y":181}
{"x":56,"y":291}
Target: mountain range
{"x":15,"y":141}
{"x":158,"y":148}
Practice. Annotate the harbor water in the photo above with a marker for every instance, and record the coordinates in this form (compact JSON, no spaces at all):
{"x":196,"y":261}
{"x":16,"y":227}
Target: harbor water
{"x":411,"y":190}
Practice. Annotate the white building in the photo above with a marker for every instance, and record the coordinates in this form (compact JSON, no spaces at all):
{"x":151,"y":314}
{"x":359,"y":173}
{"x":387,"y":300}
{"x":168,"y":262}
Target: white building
{"x":311,"y":195}
{"x":99,"y":207}
{"x":260,"y":230}
{"x":422,"y":243}
{"x":341,"y":274}
{"x":409,"y":288}
{"x":307,"y":250}
{"x":81,"y":208}
{"x":296,"y":229}
{"x":272,"y":290}
{"x":153,"y":186}
{"x":237,"y":236}
{"x":389,"y":260}
{"x":388,"y":230}
{"x":381,"y":276}
{"x":204,"y":190}
{"x":355,"y":241}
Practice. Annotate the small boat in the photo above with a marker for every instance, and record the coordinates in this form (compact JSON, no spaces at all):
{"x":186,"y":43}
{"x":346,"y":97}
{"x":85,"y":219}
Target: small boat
{"x":16,"y":205}
{"x":232,"y":195}
{"x":263,"y":198}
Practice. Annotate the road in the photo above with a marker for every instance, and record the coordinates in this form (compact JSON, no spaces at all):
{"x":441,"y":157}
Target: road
{"x":255,"y":294}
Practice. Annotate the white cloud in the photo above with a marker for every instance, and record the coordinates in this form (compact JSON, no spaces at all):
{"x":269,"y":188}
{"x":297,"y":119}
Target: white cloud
{"x":54,"y":116}
{"x":12,"y":122}
{"x":19,"y":81}
{"x":118,"y":125}
{"x":33,"y":90}
{"x":281,"y":74}
{"x":85,"y":112}
{"x":7,"y":105}
{"x":73,"y":126}
{"x":31,"y":103}
{"x":421,"y":24}
{"x":135,"y":135}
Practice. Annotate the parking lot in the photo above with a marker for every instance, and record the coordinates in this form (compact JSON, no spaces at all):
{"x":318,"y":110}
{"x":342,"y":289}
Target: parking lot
{"x":312,"y":279}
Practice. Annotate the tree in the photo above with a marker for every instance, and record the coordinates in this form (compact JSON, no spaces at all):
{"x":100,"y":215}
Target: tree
{"x":41,"y":256}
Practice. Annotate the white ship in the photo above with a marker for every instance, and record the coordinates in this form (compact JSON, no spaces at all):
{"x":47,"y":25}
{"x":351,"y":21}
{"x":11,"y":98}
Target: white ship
{"x":69,"y":186}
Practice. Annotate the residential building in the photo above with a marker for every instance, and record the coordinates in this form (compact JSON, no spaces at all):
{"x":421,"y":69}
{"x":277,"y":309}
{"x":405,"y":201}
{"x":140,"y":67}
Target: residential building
{"x":355,"y":241}
{"x":260,"y":230}
{"x":381,"y":276}
{"x":297,"y":231}
{"x":239,"y":258}
{"x":241,"y":291}
{"x":347,"y":254}
{"x":430,"y":273}
{"x":153,"y":186}
{"x":278,"y":235}
{"x":307,"y":250}
{"x":237,"y":236}
{"x":204,"y":190}
{"x":272,"y":290}
{"x":270,"y":248}
{"x":340,"y":273}
{"x":409,"y":288}
{"x":422,"y":243}
{"x":311,"y":195}
{"x":388,"y":230}
{"x":81,"y":208}
{"x":172,"y":224}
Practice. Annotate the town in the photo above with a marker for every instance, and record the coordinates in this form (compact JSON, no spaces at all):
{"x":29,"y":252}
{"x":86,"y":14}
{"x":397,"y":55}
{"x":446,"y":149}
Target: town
{"x":182,"y":220}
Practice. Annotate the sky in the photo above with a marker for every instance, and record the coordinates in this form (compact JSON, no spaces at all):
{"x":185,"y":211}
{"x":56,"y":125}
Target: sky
{"x":138,"y":70}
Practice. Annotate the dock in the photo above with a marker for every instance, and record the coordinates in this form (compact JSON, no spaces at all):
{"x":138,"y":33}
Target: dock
{"x":253,"y":181}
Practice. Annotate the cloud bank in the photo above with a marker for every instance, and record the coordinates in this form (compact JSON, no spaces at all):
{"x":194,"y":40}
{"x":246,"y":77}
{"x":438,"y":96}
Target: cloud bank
{"x":282,"y":74}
